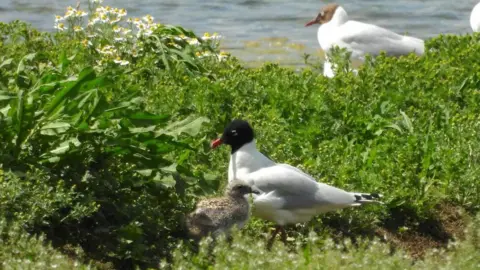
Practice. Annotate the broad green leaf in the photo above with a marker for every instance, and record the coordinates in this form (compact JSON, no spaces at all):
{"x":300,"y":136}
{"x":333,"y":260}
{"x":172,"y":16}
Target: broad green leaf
{"x":6,"y":97}
{"x":407,"y":122}
{"x":395,"y":126}
{"x":145,"y":172}
{"x":5,"y":110}
{"x":142,"y":129}
{"x":170,"y":169}
{"x":6,"y":62}
{"x":56,"y":125}
{"x":72,"y":87}
{"x":148,"y":116}
{"x":191,"y":125}
{"x":21,"y":65}
{"x":54,"y":128}
{"x":165,"y":180}
{"x":65,"y":146}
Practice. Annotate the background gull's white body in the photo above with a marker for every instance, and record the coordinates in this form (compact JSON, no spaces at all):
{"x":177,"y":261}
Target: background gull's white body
{"x":361,"y":39}
{"x":475,"y":18}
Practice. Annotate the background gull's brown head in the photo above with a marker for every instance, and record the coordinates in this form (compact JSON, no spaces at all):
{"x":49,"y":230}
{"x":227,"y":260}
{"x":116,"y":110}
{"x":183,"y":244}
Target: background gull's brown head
{"x":325,"y":15}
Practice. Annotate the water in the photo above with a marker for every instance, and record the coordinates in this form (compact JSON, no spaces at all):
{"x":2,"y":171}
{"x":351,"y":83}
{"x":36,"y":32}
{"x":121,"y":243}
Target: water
{"x":267,"y":30}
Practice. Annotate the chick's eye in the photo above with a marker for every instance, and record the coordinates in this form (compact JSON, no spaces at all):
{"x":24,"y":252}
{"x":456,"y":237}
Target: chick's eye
{"x":234,"y":133}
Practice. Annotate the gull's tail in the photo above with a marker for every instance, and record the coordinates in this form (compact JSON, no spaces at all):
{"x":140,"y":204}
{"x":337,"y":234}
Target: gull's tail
{"x":363,"y":198}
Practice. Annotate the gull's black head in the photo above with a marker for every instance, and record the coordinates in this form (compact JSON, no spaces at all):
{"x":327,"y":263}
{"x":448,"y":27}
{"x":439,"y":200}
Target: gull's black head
{"x":236,"y":134}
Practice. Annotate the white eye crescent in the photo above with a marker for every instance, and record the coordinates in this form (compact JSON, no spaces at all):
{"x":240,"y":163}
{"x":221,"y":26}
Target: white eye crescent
{"x":234,"y":132}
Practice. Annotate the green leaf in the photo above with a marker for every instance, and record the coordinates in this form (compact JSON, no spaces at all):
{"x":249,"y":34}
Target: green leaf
{"x":55,"y":128}
{"x":191,"y":125}
{"x":145,"y":172}
{"x":6,"y":97}
{"x":407,"y":122}
{"x":166,"y":181}
{"x":148,"y":116}
{"x":87,"y":74}
{"x":65,"y":146}
{"x":6,"y":62}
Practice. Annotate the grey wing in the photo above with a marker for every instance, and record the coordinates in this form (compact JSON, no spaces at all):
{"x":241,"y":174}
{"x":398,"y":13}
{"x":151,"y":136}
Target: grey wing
{"x":295,"y":189}
{"x":363,"y":38}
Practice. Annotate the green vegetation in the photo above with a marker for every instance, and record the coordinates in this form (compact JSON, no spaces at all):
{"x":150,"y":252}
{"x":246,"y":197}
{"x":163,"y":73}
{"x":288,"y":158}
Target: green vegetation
{"x":105,"y":131}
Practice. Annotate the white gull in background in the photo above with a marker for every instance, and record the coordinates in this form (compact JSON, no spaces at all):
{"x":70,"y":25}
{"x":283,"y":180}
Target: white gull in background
{"x":288,"y":195}
{"x":359,"y":38}
{"x":475,"y":18}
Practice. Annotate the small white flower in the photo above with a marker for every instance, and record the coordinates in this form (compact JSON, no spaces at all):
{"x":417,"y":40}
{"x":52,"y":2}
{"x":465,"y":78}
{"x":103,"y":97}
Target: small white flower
{"x":203,"y":54}
{"x":175,"y":45}
{"x":70,"y":12}
{"x":222,"y":56}
{"x":214,"y":36}
{"x":145,"y":33}
{"x":59,"y":18}
{"x":121,"y":62}
{"x":119,"y":39}
{"x":193,"y":41}
{"x":122,"y":12}
{"x":134,"y":52}
{"x":101,"y":9}
{"x":115,"y":20}
{"x":148,"y":18}
{"x":94,"y":21}
{"x":108,"y":50}
{"x":117,"y":29}
{"x":96,"y":1}
{"x":77,"y":28}
{"x":181,"y":37}
{"x":104,"y":18}
{"x":60,"y":26}
{"x":80,"y":13}
{"x":86,"y":43}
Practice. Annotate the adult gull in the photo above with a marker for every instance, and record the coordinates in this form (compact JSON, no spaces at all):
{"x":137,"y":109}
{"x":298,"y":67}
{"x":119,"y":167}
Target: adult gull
{"x":288,"y":195}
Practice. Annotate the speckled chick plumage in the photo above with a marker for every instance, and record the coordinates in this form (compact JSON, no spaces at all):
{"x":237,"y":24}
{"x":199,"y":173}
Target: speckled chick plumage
{"x":218,"y":215}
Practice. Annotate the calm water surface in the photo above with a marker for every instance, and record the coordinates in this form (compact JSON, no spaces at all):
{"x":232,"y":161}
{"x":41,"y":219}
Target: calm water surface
{"x":267,"y":30}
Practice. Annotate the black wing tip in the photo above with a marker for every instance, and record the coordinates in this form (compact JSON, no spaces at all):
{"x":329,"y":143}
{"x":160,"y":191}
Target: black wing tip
{"x":367,"y":196}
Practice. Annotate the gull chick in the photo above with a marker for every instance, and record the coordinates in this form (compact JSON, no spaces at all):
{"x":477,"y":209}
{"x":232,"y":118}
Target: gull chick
{"x":218,"y":215}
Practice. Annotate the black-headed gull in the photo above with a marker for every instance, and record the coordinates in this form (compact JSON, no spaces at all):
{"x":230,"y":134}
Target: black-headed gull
{"x":475,"y":18}
{"x":359,"y":38}
{"x":288,"y":195}
{"x":218,"y":215}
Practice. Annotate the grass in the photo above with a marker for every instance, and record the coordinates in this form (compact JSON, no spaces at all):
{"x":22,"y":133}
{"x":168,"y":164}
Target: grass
{"x":106,"y":146}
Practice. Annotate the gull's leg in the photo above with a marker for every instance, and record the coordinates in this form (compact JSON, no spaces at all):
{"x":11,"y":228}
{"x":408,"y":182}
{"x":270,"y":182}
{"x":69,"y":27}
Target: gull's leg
{"x":283,"y":235}
{"x":272,"y":237}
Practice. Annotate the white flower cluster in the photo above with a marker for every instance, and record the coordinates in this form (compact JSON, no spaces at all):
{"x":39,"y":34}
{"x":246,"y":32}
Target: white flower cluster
{"x":145,"y":26}
{"x":105,"y":23}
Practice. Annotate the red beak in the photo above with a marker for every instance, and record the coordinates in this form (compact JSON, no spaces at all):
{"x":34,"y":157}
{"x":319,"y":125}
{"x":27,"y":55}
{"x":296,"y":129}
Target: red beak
{"x":314,"y":21}
{"x":216,"y":143}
